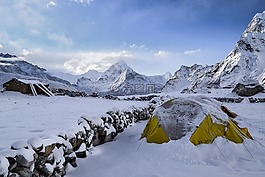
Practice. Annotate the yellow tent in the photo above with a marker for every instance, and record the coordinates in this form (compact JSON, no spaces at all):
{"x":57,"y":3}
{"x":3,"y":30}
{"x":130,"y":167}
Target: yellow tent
{"x":170,"y":120}
{"x":154,"y":133}
{"x":208,"y":130}
{"x":175,"y":118}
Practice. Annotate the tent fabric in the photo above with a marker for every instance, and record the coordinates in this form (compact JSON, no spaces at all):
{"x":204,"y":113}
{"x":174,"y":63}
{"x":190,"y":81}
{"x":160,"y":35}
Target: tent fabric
{"x":154,"y":133}
{"x":209,"y":130}
{"x":235,"y":133}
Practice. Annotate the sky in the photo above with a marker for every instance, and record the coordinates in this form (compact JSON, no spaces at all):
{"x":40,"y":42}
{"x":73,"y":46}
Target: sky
{"x":151,"y":36}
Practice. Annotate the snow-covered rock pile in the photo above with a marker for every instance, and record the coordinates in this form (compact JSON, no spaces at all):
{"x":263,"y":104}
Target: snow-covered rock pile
{"x":52,"y":156}
{"x":229,"y":100}
{"x":244,"y":90}
{"x":256,"y":100}
{"x":71,"y":93}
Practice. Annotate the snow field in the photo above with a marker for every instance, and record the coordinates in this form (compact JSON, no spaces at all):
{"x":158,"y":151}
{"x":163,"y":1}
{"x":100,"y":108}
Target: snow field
{"x":127,"y":156}
{"x":23,"y":116}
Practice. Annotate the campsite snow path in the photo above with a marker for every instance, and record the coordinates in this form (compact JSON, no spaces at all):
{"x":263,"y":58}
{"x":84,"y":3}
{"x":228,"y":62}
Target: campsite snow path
{"x":24,"y":116}
{"x":180,"y":158}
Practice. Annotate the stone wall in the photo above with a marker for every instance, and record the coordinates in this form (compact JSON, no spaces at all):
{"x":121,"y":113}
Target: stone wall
{"x":240,"y":99}
{"x":53,"y":156}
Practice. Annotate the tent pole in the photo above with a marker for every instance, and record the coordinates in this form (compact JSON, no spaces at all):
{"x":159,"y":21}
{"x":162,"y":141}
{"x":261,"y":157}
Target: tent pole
{"x":211,"y":134}
{"x":259,"y":143}
{"x":220,"y":151}
{"x":248,"y":150}
{"x":139,"y":145}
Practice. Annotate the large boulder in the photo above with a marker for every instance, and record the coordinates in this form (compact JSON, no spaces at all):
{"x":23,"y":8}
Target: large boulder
{"x":247,"y":90}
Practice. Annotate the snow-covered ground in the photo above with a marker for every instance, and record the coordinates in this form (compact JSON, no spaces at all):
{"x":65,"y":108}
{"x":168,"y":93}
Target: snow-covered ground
{"x":23,"y":117}
{"x":130,"y":157}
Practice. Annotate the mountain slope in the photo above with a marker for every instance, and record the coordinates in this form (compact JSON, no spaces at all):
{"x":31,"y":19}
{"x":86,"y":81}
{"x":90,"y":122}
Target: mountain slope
{"x":16,"y":68}
{"x":120,"y":79}
{"x":244,"y":64}
{"x":187,"y":78}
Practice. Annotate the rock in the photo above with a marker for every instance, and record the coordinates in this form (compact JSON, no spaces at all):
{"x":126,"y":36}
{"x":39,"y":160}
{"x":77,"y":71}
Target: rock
{"x":71,"y":159}
{"x":4,"y":164}
{"x":81,"y":152}
{"x":243,"y":90}
{"x":24,"y":172}
{"x":49,"y":149}
{"x":76,"y":143}
{"x":25,"y":157}
{"x":40,"y":167}
{"x":36,"y":144}
{"x":13,"y":175}
{"x":19,"y":145}
{"x":49,"y":168}
{"x":59,"y":157}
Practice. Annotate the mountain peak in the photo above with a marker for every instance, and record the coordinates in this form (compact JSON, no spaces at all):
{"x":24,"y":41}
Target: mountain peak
{"x":7,"y":55}
{"x":121,"y":65}
{"x":257,"y":24}
{"x":244,"y":64}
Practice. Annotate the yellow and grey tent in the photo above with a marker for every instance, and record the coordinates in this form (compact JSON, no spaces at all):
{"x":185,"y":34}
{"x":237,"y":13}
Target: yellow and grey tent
{"x":174,"y":119}
{"x":212,"y":127}
{"x":177,"y":117}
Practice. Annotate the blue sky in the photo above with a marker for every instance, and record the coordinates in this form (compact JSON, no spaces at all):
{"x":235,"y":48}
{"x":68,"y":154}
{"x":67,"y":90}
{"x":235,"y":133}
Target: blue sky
{"x":152,"y":36}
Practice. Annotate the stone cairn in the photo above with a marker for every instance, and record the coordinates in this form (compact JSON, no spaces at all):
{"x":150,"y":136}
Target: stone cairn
{"x":53,"y":156}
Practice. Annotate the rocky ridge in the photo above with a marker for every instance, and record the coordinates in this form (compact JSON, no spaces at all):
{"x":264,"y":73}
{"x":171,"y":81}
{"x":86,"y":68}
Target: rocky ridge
{"x":244,"y":64}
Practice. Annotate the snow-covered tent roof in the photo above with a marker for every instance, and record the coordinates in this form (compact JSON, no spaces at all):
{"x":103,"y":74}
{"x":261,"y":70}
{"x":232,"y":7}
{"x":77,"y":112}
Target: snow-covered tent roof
{"x":181,"y":115}
{"x":176,"y":117}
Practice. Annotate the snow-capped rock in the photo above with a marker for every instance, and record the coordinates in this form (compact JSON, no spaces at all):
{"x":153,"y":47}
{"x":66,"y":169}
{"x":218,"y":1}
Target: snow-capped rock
{"x":120,"y":79}
{"x":244,"y":64}
{"x":186,"y":78}
{"x":7,"y":55}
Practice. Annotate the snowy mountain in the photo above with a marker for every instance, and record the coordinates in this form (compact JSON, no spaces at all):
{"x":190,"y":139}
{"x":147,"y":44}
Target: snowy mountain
{"x":186,"y":77}
{"x":7,"y":55}
{"x":244,"y":64}
{"x":120,"y":79}
{"x":18,"y":68}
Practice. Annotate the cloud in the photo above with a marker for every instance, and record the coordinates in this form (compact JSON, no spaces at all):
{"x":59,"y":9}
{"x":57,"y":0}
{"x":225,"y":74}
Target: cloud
{"x":26,"y":52}
{"x":82,"y":62}
{"x":135,"y":46}
{"x":1,"y":46}
{"x":162,"y":53}
{"x":35,"y":32}
{"x":84,"y":2}
{"x":50,"y":4}
{"x":60,"y":39}
{"x":189,"y":52}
